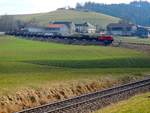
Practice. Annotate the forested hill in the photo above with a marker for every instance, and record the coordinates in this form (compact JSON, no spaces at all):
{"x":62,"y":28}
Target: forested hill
{"x":137,"y":12}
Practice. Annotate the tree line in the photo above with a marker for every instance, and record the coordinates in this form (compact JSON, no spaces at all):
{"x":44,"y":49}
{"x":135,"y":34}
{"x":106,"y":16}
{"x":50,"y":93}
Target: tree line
{"x":136,"y":12}
{"x":10,"y":23}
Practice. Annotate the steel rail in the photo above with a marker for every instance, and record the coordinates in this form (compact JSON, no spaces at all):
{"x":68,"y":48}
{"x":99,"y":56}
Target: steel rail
{"x":86,"y":101}
{"x":57,"y":105}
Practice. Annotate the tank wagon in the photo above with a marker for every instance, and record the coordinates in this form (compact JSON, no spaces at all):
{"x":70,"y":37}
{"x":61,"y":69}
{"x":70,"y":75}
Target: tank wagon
{"x":100,"y":39}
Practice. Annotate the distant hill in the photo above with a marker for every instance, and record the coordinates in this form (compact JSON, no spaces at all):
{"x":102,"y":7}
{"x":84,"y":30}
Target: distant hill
{"x":69,"y":15}
{"x":137,"y":12}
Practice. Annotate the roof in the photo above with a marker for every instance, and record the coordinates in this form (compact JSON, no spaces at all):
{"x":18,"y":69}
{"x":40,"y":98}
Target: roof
{"x":67,"y":23}
{"x":139,"y":26}
{"x":87,"y":24}
{"x":144,"y":28}
{"x":62,"y":22}
{"x":120,"y":25}
{"x":55,"y":25}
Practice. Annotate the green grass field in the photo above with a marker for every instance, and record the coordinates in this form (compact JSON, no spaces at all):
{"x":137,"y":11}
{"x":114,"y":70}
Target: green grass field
{"x":69,"y":15}
{"x":133,"y":39}
{"x":26,"y":63}
{"x":137,"y":104}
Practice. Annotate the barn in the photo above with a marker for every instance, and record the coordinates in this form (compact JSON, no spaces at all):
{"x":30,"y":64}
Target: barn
{"x":122,"y":29}
{"x":143,"y":32}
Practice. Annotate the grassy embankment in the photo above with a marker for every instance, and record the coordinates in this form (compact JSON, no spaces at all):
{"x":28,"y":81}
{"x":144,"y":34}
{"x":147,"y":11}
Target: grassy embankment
{"x":137,"y":104}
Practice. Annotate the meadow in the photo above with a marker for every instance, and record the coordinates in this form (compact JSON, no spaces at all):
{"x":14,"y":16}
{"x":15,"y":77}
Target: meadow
{"x":133,"y":40}
{"x":69,"y":15}
{"x":26,"y":63}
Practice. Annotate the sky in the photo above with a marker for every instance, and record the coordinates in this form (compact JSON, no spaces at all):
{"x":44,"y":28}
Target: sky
{"x":37,"y":6}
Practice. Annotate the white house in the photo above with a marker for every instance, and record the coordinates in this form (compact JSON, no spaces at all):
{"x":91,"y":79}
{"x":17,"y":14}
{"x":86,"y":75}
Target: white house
{"x":85,"y":28}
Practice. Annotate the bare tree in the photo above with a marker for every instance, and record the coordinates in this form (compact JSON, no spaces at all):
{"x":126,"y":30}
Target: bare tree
{"x":8,"y":23}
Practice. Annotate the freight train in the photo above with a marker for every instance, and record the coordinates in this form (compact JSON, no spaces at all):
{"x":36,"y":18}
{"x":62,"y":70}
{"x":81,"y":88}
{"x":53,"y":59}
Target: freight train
{"x":98,"y":39}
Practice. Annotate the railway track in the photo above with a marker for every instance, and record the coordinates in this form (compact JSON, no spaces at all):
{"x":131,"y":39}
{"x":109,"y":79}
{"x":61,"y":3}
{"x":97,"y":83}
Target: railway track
{"x":93,"y":101}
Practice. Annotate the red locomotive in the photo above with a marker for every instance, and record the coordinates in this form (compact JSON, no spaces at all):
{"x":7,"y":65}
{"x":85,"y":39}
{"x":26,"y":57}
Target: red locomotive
{"x":106,"y":40}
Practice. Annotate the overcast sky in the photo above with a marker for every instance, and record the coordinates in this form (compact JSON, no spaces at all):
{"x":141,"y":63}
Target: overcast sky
{"x":35,"y":6}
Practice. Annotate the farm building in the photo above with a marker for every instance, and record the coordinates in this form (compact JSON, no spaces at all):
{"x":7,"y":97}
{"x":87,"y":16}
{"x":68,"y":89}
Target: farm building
{"x":64,"y":28}
{"x":122,"y":29}
{"x":143,"y":32}
{"x":85,"y":28}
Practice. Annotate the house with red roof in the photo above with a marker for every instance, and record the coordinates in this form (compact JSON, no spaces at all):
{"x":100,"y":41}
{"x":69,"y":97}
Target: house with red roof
{"x":63,"y":28}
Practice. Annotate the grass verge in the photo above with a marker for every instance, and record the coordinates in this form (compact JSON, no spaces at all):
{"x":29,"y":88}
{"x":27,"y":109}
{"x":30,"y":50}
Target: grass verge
{"x":137,"y":104}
